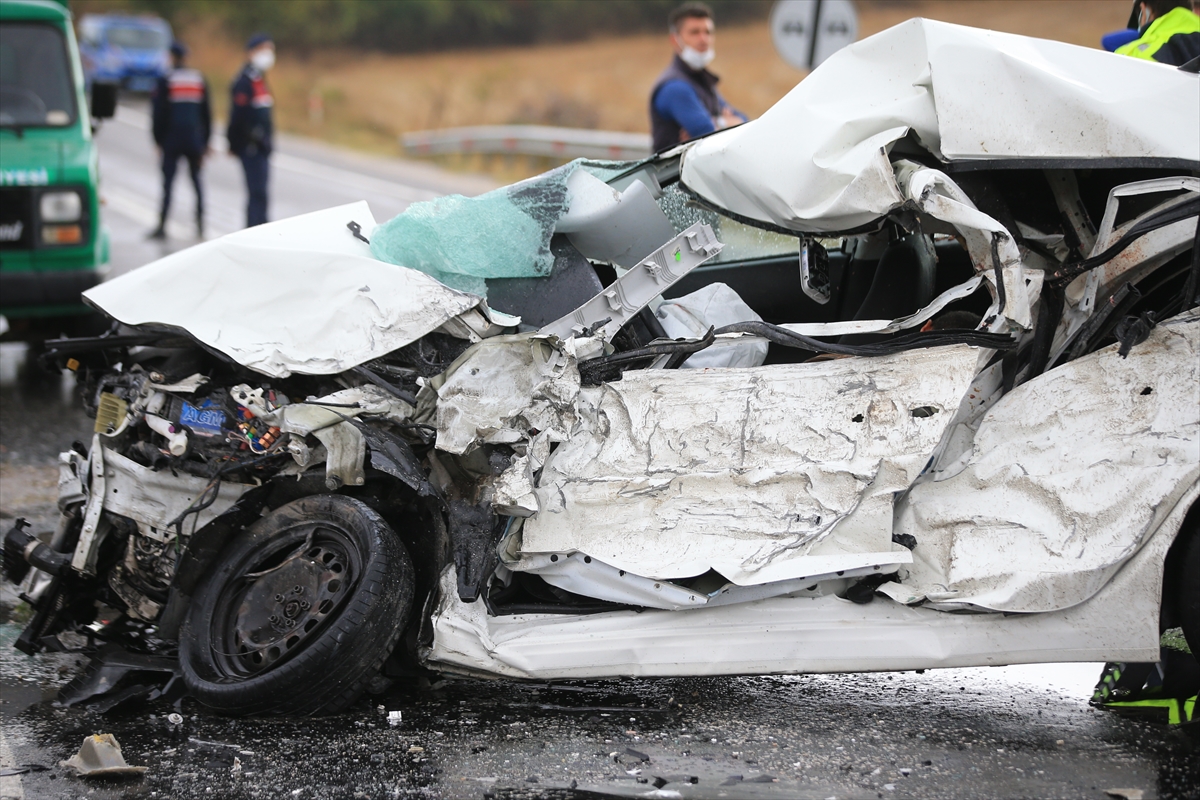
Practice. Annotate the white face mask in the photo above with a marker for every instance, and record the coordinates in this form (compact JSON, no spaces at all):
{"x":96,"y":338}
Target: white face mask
{"x":263,"y":60}
{"x":697,"y":60}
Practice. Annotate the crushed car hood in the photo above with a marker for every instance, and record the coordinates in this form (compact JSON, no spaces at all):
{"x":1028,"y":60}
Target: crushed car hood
{"x":818,"y":160}
{"x":302,"y":295}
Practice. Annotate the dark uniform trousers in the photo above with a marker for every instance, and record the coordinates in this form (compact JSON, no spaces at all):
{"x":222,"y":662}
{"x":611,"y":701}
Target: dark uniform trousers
{"x":182,"y":123}
{"x":250,"y":134}
{"x":257,"y":166}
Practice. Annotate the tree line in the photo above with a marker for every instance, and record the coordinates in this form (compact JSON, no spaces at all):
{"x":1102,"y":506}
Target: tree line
{"x":422,"y":25}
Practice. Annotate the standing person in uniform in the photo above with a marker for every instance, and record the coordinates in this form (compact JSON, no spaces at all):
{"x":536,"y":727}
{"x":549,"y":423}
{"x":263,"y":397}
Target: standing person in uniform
{"x":182,"y":122}
{"x":1168,"y":32}
{"x":250,"y":128}
{"x":684,"y":102}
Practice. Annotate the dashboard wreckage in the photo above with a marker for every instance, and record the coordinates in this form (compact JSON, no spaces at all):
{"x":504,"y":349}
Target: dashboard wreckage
{"x":901,"y":375}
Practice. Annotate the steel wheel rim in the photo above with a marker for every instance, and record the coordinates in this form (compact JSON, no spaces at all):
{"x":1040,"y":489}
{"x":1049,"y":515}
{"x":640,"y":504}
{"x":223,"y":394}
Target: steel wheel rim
{"x":281,"y":597}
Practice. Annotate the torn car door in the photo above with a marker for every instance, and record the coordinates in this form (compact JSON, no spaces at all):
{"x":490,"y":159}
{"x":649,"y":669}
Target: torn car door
{"x":1069,"y":475}
{"x":761,"y":474}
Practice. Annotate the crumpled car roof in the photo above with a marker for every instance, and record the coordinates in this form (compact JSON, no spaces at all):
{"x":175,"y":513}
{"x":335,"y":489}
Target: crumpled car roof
{"x":818,"y":159}
{"x":302,"y":295}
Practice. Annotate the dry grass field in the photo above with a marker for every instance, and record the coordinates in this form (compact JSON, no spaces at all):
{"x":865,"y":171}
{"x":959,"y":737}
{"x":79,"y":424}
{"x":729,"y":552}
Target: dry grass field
{"x":367,"y":100}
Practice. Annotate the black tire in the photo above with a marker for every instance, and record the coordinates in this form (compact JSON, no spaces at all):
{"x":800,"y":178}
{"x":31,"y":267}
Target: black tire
{"x":299,"y":612}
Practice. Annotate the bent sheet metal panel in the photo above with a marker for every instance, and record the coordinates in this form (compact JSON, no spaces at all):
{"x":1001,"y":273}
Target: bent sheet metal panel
{"x":796,"y":634}
{"x":331,"y":305}
{"x":1070,"y":474}
{"x":502,"y":388}
{"x":154,"y":499}
{"x":818,"y":159}
{"x":751,"y":472}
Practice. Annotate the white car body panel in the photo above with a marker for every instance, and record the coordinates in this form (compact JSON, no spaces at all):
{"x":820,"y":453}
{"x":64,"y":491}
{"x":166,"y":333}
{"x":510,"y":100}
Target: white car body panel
{"x":756,"y":473}
{"x":1002,"y":533}
{"x":801,"y":634}
{"x":1070,"y":474}
{"x":300,"y":295}
{"x":818,"y":160}
{"x":1042,"y":512}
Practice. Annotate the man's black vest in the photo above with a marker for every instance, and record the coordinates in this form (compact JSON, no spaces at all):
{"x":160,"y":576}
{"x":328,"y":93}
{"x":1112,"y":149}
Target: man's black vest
{"x":665,"y":132}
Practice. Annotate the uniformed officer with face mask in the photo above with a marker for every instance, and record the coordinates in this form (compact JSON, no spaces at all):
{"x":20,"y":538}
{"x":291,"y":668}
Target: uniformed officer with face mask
{"x":182,"y":121}
{"x":684,"y":102}
{"x":250,"y":128}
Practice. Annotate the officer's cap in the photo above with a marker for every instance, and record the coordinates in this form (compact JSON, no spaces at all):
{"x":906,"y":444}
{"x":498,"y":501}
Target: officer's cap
{"x":257,"y":39}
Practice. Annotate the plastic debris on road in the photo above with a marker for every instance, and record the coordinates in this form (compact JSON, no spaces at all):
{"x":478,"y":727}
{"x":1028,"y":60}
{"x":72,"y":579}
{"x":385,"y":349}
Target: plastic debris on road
{"x":99,"y":755}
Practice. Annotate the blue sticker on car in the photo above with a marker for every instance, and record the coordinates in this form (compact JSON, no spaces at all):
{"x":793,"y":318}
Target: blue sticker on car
{"x":205,"y":419}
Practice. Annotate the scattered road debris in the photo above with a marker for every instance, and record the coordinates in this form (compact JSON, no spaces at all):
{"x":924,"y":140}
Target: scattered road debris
{"x":100,"y":756}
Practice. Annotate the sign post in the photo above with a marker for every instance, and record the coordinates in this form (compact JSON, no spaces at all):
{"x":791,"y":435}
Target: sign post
{"x":806,"y":32}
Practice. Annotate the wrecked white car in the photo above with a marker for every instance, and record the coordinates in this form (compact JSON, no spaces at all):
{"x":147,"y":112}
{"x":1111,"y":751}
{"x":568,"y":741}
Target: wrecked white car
{"x":902,"y":375}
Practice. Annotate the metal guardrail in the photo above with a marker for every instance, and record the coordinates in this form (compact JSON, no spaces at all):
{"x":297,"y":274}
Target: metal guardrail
{"x":528,"y":140}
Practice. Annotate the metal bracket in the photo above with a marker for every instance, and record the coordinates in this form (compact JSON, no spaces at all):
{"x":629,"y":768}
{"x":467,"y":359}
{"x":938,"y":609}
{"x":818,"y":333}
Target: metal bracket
{"x":84,"y":558}
{"x":649,"y":278}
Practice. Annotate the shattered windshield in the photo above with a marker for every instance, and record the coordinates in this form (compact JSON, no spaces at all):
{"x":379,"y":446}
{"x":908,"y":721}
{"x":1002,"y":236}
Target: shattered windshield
{"x":35,"y":76}
{"x":742,"y":242}
{"x":504,"y":233}
{"x":466,"y":241}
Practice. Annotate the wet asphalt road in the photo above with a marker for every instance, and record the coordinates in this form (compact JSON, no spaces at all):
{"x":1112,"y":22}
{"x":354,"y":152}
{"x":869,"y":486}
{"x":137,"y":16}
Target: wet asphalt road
{"x":979,"y":733}
{"x":1012,"y":732}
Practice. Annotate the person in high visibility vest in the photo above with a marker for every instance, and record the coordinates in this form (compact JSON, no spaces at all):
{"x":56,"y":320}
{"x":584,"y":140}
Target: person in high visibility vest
{"x":1169,"y":32}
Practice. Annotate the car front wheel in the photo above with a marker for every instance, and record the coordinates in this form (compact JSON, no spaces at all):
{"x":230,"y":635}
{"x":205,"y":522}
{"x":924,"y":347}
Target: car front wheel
{"x":299,"y":612}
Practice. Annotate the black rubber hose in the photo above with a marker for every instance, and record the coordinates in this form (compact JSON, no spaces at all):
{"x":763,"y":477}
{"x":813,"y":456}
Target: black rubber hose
{"x":898,"y":344}
{"x":21,"y":546}
{"x":602,"y":368}
{"x":998,"y":267}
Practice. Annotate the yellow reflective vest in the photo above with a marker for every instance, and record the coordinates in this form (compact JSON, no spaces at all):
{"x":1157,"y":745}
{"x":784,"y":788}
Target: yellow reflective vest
{"x":1173,"y":38}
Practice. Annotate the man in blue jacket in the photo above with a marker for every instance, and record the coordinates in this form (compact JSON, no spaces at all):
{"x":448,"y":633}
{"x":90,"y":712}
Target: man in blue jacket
{"x":182,"y":122}
{"x":250,"y":128}
{"x":684,"y":102}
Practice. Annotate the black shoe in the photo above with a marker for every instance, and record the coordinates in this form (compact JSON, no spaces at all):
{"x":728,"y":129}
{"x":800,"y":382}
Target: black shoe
{"x":1127,"y":682}
{"x":159,"y":233}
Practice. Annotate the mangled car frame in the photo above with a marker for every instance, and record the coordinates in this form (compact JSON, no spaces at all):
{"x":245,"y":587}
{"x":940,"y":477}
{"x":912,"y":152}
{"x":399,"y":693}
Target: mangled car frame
{"x":901,"y":375}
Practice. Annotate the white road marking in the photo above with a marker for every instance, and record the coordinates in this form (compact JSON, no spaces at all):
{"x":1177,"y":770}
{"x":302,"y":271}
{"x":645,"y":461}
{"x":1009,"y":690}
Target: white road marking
{"x":10,"y":785}
{"x":144,"y":214}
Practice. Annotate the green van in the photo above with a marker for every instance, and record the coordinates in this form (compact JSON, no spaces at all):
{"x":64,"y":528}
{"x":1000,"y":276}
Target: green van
{"x":51,"y":240}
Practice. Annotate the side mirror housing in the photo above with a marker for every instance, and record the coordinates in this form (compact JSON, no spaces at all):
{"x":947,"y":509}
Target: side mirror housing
{"x":104,"y":100}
